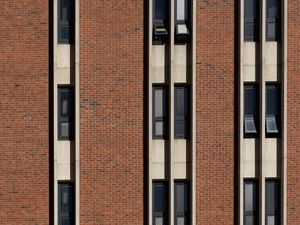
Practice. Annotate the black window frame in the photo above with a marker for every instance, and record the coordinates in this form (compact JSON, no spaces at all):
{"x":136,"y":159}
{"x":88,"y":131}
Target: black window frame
{"x":277,"y":115}
{"x":70,"y":186}
{"x":276,"y":212}
{"x":183,"y":38}
{"x":186,"y":213}
{"x":160,"y":29}
{"x":156,"y":214}
{"x":67,"y":24}
{"x":186,"y":117}
{"x":255,"y":116}
{"x":254,"y":213}
{"x":71,"y":112}
{"x":276,"y":21}
{"x":164,"y":118}
{"x":254,"y":21}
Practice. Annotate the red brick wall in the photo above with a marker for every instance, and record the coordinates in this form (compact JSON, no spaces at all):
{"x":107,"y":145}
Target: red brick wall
{"x":24,"y":136}
{"x":293,"y":113}
{"x":111,"y":126}
{"x":215,"y":112}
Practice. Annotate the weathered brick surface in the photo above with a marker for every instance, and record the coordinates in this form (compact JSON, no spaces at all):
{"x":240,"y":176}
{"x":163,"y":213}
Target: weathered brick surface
{"x":215,"y":112}
{"x":24,"y":139}
{"x":293,"y":112}
{"x":111,"y":126}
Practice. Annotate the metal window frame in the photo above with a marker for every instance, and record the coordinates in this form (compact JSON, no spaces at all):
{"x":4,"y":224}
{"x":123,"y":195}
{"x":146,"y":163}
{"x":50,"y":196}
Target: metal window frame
{"x":67,"y":24}
{"x":256,"y":115}
{"x":277,"y":212}
{"x":255,"y":213}
{"x":73,"y":212}
{"x":278,"y":115}
{"x":160,"y":214}
{"x":182,"y":39}
{"x":71,"y":115}
{"x":186,"y":214}
{"x":160,"y":39}
{"x":276,"y":21}
{"x":254,"y":22}
{"x":163,"y":119}
{"x":187,"y":110}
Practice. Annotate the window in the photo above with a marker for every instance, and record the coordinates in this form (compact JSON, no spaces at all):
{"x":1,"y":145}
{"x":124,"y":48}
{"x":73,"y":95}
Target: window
{"x":251,"y":20}
{"x":181,"y":111}
{"x":160,"y":21}
{"x":65,"y":113}
{"x":272,"y":202}
{"x":160,"y":202}
{"x":182,"y":24}
{"x":250,"y":109}
{"x":182,"y":203}
{"x":65,"y":21}
{"x":273,"y":20}
{"x":159,"y":111}
{"x":250,"y":202}
{"x":273,"y":109}
{"x":66,"y":204}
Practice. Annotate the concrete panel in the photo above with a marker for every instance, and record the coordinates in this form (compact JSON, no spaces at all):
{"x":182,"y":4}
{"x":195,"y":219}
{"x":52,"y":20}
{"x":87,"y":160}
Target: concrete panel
{"x":158,"y":151}
{"x":158,"y":171}
{"x":272,"y":157}
{"x":63,"y":58}
{"x":64,"y":160}
{"x":272,"y":61}
{"x":180,"y":170}
{"x":180,"y":64}
{"x":250,"y":59}
{"x":158,"y":64}
{"x":64,"y":76}
{"x":250,"y":161}
{"x":250,"y":73}
{"x":180,"y":151}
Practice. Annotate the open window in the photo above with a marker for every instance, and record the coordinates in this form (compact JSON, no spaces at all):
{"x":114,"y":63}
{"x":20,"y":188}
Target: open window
{"x":273,"y":20}
{"x":182,"y":21}
{"x":251,"y":110}
{"x":273,"y":109}
{"x":160,"y":21}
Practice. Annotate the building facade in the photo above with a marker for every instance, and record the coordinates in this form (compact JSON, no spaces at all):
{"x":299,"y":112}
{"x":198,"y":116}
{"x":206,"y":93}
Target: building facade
{"x":157,"y":112}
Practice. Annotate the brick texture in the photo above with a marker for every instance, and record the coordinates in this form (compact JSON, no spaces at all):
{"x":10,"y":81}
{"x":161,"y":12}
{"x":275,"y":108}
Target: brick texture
{"x":215,"y":112}
{"x":112,"y":122}
{"x":293,"y":112}
{"x":24,"y":136}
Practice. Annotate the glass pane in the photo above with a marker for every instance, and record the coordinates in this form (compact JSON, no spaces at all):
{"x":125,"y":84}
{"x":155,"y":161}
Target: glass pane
{"x":249,"y":31}
{"x":270,"y":196}
{"x":249,"y":190}
{"x":250,"y":99}
{"x":160,"y":198}
{"x":272,"y":10}
{"x":271,"y":220}
{"x":273,"y":99}
{"x":180,"y":198}
{"x":159,"y":221}
{"x":159,"y":128}
{"x":159,"y":94}
{"x":181,"y":10}
{"x":249,"y":220}
{"x":271,"y":125}
{"x":66,"y":221}
{"x":160,"y":10}
{"x":64,"y":107}
{"x":271,"y":31}
{"x":250,"y":8}
{"x":65,"y":198}
{"x":64,"y":10}
{"x":180,"y":101}
{"x":180,"y":128}
{"x":65,"y":129}
{"x":180,"y":221}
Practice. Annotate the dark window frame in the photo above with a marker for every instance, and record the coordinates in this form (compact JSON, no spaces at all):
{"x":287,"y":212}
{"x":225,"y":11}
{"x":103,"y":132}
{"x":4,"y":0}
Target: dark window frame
{"x":186,"y":214}
{"x":160,"y":214}
{"x":252,"y":21}
{"x":160,"y":38}
{"x":256,"y":115}
{"x":277,"y":212}
{"x":163,"y":119}
{"x":276,"y":21}
{"x":71,"y":113}
{"x":182,"y":39}
{"x":278,"y":115}
{"x":71,"y":185}
{"x":68,"y":24}
{"x":186,"y":117}
{"x":255,"y":213}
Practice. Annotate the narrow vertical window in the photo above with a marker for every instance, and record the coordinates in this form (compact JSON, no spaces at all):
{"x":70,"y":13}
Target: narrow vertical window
{"x":160,"y":202}
{"x":65,"y":21}
{"x":159,"y":111}
{"x":250,"y":110}
{"x":160,"y":21}
{"x":251,"y":20}
{"x":66,"y":202}
{"x":65,"y":113}
{"x":250,"y":202}
{"x":273,"y":108}
{"x":182,"y":21}
{"x":273,"y":20}
{"x":273,"y":202}
{"x":181,"y":117}
{"x":182,"y":203}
